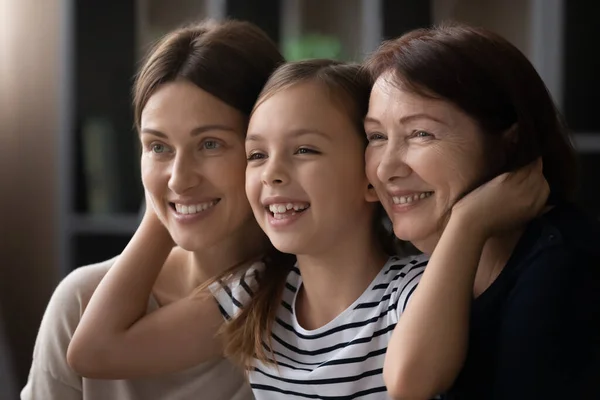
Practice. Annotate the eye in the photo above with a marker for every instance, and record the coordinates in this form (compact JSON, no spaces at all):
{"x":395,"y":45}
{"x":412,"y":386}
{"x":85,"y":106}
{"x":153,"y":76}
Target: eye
{"x":256,"y":156}
{"x":211,"y":144}
{"x":375,"y":136}
{"x":306,"y":150}
{"x":422,"y":134}
{"x":158,"y":148}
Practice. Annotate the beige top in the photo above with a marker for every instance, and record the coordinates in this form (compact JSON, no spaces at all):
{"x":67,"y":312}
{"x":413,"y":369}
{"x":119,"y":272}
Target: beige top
{"x":51,"y":378}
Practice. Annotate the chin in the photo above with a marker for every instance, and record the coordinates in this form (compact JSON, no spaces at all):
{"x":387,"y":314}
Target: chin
{"x":287,"y":246}
{"x":408,"y":235}
{"x":187,"y":245}
{"x":195,"y":243}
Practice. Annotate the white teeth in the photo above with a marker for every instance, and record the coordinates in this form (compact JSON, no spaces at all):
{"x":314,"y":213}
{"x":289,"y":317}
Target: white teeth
{"x":282,"y":208}
{"x":194,"y":208}
{"x":410,"y":198}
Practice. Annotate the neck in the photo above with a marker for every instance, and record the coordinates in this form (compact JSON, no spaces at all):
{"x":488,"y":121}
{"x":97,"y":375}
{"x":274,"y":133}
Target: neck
{"x":247,"y":244}
{"x":334,"y":279}
{"x":496,"y":253}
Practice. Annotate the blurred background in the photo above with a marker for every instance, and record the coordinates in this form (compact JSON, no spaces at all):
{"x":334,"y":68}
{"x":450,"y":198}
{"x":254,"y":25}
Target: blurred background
{"x":70,"y":187}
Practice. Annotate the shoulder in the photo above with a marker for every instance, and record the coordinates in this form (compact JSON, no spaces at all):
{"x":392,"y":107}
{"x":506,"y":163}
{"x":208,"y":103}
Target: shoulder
{"x":60,"y":321}
{"x":566,"y":247}
{"x":236,"y":291}
{"x":400,"y":277}
{"x":400,"y":267}
{"x":81,"y":282}
{"x":73,"y":293}
{"x":560,"y":270}
{"x":576,"y":231}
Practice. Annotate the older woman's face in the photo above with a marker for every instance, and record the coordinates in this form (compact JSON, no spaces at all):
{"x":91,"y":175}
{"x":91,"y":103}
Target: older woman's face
{"x":423,"y":154}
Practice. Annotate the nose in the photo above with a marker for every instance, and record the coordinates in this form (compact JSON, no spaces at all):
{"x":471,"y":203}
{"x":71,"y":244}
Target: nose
{"x":183,"y":174}
{"x":392,"y":164}
{"x":275,"y":172}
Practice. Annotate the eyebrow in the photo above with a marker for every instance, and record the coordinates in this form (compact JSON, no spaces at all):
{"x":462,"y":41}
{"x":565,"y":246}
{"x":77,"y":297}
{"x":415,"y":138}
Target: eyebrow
{"x":409,"y":118}
{"x":413,"y":117}
{"x":194,"y":132}
{"x":371,"y":120}
{"x":294,"y":132}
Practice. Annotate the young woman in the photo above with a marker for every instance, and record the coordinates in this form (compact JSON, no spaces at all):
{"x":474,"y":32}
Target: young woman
{"x":193,"y":96}
{"x":318,"y":329}
{"x":450,"y":107}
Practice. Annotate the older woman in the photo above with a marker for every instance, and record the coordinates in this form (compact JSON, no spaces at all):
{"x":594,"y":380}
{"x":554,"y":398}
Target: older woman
{"x":450,"y":108}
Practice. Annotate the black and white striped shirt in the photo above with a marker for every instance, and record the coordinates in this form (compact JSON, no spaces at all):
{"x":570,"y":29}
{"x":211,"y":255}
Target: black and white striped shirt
{"x":341,"y":360}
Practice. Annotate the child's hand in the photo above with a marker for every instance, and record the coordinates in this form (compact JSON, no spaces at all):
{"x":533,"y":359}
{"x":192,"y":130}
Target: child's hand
{"x":506,"y":202}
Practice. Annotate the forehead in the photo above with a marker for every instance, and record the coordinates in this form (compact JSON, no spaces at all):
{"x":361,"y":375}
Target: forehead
{"x":302,"y":106}
{"x":183,"y":102}
{"x":390,"y":99}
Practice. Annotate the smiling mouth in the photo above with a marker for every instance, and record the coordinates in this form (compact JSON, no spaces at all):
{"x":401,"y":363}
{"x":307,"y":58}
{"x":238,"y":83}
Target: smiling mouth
{"x":187,"y":209}
{"x":412,"y":198}
{"x":286,"y":210}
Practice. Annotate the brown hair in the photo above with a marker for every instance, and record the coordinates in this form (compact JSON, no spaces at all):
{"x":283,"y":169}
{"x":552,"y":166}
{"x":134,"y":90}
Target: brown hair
{"x":493,"y":82}
{"x":248,"y":335}
{"x":231,"y":60}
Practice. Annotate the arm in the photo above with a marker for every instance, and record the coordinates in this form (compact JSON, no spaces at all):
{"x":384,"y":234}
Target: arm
{"x":549,"y":343}
{"x":429,"y":344}
{"x":117,"y":340}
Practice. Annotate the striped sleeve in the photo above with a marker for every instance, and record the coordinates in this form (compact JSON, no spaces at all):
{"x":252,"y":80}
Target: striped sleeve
{"x":408,"y":273}
{"x":236,"y":292}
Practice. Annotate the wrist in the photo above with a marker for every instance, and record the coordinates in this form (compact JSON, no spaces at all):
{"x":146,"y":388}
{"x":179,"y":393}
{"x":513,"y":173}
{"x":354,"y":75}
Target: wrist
{"x":155,"y":231}
{"x":464,"y":224}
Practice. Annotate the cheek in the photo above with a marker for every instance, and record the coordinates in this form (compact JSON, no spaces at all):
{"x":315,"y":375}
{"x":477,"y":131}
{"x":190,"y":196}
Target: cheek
{"x":450,"y":171}
{"x":233,"y":175}
{"x":153,"y":177}
{"x":371,"y":164}
{"x":253,"y":184}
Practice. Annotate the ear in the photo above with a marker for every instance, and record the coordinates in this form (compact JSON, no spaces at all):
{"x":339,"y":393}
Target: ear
{"x":509,"y":142}
{"x":510,"y":137}
{"x":370,"y":194}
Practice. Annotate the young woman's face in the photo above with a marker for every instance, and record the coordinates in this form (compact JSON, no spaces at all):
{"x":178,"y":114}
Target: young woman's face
{"x":423,"y":155}
{"x":193,"y":165}
{"x":305,"y":177}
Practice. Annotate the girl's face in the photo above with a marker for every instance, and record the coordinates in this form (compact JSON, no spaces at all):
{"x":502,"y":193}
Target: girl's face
{"x":193,"y":165}
{"x":305,"y":177}
{"x":423,"y":155}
